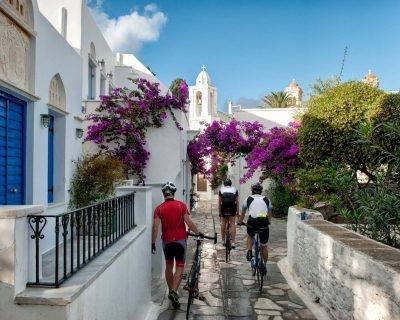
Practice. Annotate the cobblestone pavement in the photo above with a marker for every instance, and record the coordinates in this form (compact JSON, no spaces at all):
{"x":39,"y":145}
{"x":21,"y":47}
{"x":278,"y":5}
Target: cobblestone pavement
{"x":229,"y":289}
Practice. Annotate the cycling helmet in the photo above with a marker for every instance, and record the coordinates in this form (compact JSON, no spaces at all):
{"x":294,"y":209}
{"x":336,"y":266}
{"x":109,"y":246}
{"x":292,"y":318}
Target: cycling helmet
{"x":256,"y":188}
{"x":168,"y":188}
{"x":227,"y":182}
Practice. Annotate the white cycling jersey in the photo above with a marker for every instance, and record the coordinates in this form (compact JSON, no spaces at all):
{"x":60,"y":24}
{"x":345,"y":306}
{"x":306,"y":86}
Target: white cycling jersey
{"x":258,"y":207}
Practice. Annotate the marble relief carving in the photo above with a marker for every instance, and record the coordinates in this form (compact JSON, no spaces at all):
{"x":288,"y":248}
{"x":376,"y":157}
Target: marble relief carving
{"x":57,"y":93}
{"x":14,"y":53}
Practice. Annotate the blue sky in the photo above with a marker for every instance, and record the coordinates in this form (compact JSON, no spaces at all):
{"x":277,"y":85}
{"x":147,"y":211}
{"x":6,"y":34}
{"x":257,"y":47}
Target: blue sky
{"x":253,"y":47}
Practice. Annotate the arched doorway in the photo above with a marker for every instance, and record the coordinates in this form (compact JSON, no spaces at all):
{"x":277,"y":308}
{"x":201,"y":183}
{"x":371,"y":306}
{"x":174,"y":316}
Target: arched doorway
{"x":56,"y":141}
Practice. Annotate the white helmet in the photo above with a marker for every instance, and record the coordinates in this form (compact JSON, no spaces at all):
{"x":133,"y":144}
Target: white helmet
{"x":168,"y":186}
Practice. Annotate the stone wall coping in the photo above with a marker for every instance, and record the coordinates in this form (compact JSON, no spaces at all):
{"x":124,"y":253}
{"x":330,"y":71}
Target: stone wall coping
{"x":374,"y":250}
{"x":312,"y":214}
{"x":19,"y":211}
{"x":75,"y":286}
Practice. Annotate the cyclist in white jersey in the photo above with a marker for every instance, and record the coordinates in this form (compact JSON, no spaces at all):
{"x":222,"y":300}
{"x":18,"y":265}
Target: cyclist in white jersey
{"x":260,"y":214}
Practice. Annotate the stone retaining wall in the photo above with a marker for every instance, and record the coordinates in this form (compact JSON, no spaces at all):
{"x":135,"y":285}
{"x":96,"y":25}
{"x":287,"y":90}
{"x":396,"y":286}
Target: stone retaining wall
{"x":353,"y":277}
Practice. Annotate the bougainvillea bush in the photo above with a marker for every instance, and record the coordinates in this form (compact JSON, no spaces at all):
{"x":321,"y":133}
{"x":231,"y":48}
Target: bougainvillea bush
{"x":121,"y":121}
{"x":275,"y":152}
{"x":221,"y":143}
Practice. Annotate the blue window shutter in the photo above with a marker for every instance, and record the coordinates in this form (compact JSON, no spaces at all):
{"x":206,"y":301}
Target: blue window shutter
{"x":12,"y":150}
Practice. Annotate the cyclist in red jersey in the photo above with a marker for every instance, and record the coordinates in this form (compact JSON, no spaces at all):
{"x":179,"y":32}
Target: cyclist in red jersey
{"x":173,"y":216}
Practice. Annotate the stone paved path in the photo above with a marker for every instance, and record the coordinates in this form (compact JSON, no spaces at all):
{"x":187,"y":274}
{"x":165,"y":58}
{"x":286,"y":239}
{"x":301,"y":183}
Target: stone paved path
{"x":229,"y":289}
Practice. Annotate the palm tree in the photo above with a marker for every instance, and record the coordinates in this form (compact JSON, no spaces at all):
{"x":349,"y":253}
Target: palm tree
{"x":278,"y":99}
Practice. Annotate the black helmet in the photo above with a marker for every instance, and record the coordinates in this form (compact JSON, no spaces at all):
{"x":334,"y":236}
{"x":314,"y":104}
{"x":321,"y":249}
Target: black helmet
{"x":256,"y":188}
{"x":168,"y":188}
{"x":227,"y":182}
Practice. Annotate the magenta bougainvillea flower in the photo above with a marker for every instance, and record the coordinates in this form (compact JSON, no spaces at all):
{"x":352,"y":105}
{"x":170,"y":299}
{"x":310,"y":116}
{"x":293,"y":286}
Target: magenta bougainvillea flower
{"x":275,"y":152}
{"x":121,"y":121}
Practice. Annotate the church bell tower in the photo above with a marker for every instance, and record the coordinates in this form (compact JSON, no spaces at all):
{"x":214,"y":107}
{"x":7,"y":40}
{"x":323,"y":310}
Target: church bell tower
{"x":203,"y":100}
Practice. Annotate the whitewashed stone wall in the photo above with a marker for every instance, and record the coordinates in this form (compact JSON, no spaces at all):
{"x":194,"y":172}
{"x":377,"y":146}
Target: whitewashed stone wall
{"x":352,"y":276}
{"x":116,"y":285}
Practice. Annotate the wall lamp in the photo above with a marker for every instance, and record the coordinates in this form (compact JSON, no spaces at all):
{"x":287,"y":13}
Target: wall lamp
{"x":101,"y":63}
{"x":79,"y":133}
{"x":109,"y":75}
{"x":45,"y":120}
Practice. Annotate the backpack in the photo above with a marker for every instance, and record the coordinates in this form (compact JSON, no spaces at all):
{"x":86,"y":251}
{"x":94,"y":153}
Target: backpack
{"x":228,"y":202}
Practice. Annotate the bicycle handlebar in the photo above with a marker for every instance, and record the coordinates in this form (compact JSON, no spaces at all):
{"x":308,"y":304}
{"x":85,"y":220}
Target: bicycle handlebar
{"x":205,"y":237}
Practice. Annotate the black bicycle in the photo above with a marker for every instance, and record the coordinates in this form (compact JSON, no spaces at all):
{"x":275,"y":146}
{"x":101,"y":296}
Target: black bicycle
{"x":192,"y":284}
{"x":257,"y":264}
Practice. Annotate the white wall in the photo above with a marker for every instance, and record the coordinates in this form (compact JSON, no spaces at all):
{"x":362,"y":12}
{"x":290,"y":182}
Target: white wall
{"x":51,"y":9}
{"x":117,"y":285}
{"x":268,"y":117}
{"x":91,"y":33}
{"x":53,"y":55}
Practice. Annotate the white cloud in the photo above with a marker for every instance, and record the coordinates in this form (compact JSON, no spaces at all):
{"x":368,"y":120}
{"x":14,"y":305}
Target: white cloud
{"x":151,"y":7}
{"x":127,"y":33}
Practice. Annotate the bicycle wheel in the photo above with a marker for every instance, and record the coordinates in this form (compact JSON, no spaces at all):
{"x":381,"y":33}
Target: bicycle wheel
{"x":191,"y":286}
{"x":227,"y":243}
{"x":258,"y":275}
{"x":254,"y":269}
{"x":261,"y":272}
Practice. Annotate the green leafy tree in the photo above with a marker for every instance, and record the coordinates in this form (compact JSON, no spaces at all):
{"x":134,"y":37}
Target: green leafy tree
{"x":278,"y":99}
{"x":329,"y":127}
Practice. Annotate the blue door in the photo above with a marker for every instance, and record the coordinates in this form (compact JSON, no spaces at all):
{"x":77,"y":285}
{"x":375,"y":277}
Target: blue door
{"x":12,"y":142}
{"x":50,"y":157}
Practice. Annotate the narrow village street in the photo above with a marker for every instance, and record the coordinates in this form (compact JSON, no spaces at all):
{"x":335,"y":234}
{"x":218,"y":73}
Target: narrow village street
{"x":229,"y":289}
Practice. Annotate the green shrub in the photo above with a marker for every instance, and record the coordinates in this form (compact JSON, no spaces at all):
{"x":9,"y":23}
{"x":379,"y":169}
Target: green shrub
{"x":282,"y":197}
{"x":329,"y":126}
{"x":93,"y":179}
{"x":330,"y":183}
{"x":385,"y":128}
{"x":377,"y":214}
{"x":219,"y":177}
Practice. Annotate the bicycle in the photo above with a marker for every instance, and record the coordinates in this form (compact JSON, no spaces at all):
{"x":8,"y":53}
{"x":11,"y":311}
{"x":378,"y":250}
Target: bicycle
{"x":192,"y":284}
{"x":256,"y":262}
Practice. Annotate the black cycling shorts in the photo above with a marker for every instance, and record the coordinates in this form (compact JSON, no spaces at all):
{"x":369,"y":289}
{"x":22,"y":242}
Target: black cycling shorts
{"x":227,"y":213}
{"x":255,"y":223}
{"x":175,"y":250}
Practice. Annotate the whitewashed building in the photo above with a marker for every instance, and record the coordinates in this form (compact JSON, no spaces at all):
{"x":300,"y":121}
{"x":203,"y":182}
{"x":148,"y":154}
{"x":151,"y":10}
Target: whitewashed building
{"x":41,"y":99}
{"x":54,"y":65}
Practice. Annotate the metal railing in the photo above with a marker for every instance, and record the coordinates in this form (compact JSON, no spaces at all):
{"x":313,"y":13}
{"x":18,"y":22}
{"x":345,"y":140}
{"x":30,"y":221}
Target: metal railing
{"x":79,"y":237}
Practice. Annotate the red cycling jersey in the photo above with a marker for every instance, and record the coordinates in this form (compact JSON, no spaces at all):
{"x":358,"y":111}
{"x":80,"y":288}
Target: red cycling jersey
{"x":171,"y":214}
